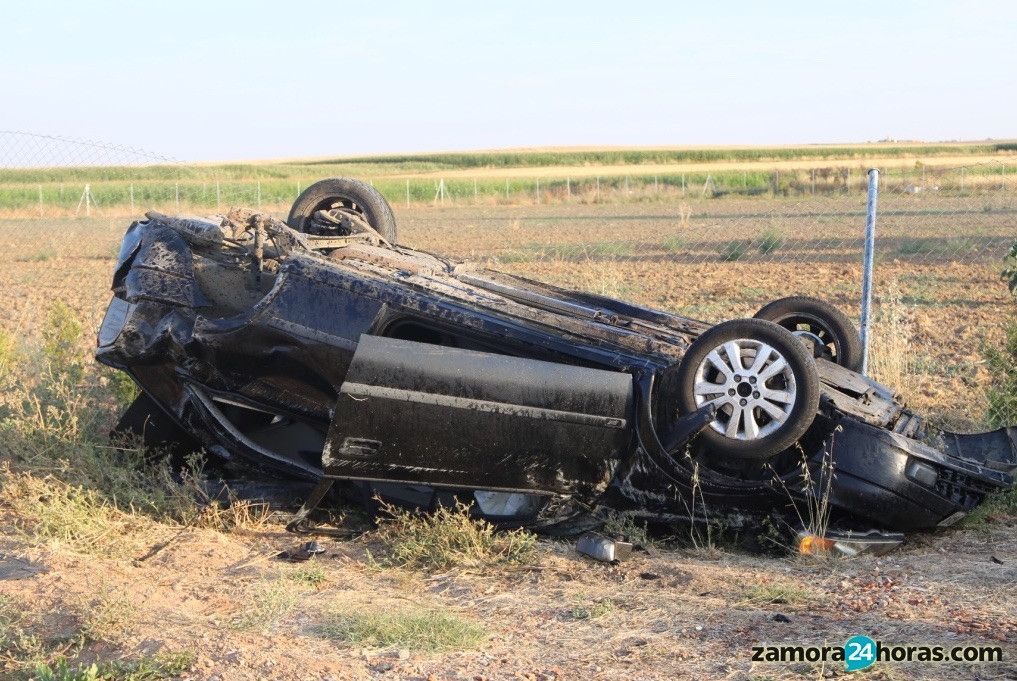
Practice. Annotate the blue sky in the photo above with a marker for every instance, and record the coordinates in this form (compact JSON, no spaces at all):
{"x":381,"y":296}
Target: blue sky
{"x":218,"y":80}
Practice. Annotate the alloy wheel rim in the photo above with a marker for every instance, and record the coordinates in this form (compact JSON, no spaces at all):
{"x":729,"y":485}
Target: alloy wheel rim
{"x":752,"y":386}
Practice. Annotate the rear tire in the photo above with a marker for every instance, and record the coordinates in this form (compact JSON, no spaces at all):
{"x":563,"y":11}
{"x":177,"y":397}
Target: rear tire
{"x":764,"y":405}
{"x":833,"y":337}
{"x":352,"y":195}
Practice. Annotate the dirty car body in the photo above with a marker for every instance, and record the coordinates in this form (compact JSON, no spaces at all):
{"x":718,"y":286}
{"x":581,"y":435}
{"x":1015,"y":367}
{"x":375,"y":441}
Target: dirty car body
{"x":402,"y":373}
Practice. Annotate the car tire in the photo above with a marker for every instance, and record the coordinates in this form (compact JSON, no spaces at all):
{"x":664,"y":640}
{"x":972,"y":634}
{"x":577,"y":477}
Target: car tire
{"x":774,"y":400}
{"x":833,"y":335}
{"x":354,"y":195}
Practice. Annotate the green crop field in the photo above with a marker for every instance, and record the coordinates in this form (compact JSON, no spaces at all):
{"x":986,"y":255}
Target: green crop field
{"x":517,"y":176}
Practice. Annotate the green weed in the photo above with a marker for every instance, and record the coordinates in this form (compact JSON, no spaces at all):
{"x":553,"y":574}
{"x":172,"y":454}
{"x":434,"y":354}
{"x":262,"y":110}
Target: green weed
{"x":674,"y":244}
{"x":108,"y":618}
{"x":999,"y":505}
{"x":154,"y":668}
{"x":771,"y":241}
{"x":309,"y":575}
{"x":589,"y":611}
{"x":1002,"y":364}
{"x":627,"y":528}
{"x":734,"y":250}
{"x":449,"y":537}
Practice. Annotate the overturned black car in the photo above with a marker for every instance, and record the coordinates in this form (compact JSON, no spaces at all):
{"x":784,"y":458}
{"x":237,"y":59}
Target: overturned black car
{"x":319,"y":349}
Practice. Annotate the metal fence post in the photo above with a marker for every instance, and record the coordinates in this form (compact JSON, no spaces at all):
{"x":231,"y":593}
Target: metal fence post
{"x":870,"y":243}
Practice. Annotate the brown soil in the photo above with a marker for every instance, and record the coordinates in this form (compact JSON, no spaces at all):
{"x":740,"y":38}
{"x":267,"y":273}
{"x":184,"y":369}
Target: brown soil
{"x":661,"y":615}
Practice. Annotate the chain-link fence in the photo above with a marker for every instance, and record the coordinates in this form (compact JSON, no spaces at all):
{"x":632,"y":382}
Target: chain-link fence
{"x":709,"y":243}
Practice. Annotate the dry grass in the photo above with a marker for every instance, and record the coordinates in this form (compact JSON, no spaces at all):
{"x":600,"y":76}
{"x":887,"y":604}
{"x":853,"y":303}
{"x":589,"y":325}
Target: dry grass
{"x":449,"y":537}
{"x":268,"y":604}
{"x":46,"y":510}
{"x":57,"y":410}
{"x":110,"y":617}
{"x":776,"y":593}
{"x":231,"y":514}
{"x":892,"y":354}
{"x":604,"y":170}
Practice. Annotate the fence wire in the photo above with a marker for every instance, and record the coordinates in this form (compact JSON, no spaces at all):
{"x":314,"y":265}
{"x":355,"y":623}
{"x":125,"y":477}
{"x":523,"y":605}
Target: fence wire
{"x":711,"y":245}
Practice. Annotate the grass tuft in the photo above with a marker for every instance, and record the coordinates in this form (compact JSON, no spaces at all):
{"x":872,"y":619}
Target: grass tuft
{"x":627,"y":528}
{"x":413,"y":628}
{"x":771,"y":241}
{"x":776,"y":594}
{"x":231,"y":514}
{"x":50,"y":511}
{"x":43,"y":255}
{"x":734,"y":250}
{"x":109,"y":618}
{"x":309,"y":575}
{"x":674,"y":243}
{"x":589,"y":611}
{"x":19,"y":646}
{"x":64,"y":480}
{"x":268,"y":605}
{"x":449,"y":537}
{"x":915,"y":246}
{"x":1001,"y":506}
{"x":154,"y":668}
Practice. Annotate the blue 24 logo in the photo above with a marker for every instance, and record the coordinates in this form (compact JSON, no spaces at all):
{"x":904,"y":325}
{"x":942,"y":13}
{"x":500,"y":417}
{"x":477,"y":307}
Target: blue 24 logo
{"x":859,"y":653}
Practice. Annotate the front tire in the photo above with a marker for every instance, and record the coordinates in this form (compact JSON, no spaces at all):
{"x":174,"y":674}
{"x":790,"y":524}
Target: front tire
{"x":762,"y":381}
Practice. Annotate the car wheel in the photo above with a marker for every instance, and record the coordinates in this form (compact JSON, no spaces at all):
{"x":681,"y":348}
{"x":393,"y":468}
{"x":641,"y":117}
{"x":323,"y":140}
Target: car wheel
{"x":762,"y":381}
{"x":820,"y":325}
{"x":347,"y":195}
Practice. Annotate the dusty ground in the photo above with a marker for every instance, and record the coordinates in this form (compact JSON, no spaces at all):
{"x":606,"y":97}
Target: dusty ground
{"x":663,"y":614}
{"x":240,"y":614}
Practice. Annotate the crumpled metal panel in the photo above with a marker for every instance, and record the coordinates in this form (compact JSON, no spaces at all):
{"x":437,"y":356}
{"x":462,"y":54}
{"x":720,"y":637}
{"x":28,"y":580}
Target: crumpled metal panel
{"x":162,"y":271}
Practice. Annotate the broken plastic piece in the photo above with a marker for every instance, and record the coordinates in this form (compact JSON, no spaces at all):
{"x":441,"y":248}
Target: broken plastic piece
{"x":601,"y":548}
{"x":849,"y":544}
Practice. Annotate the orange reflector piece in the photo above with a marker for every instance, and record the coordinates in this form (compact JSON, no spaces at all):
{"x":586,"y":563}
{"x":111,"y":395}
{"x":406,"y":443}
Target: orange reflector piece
{"x":811,"y":544}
